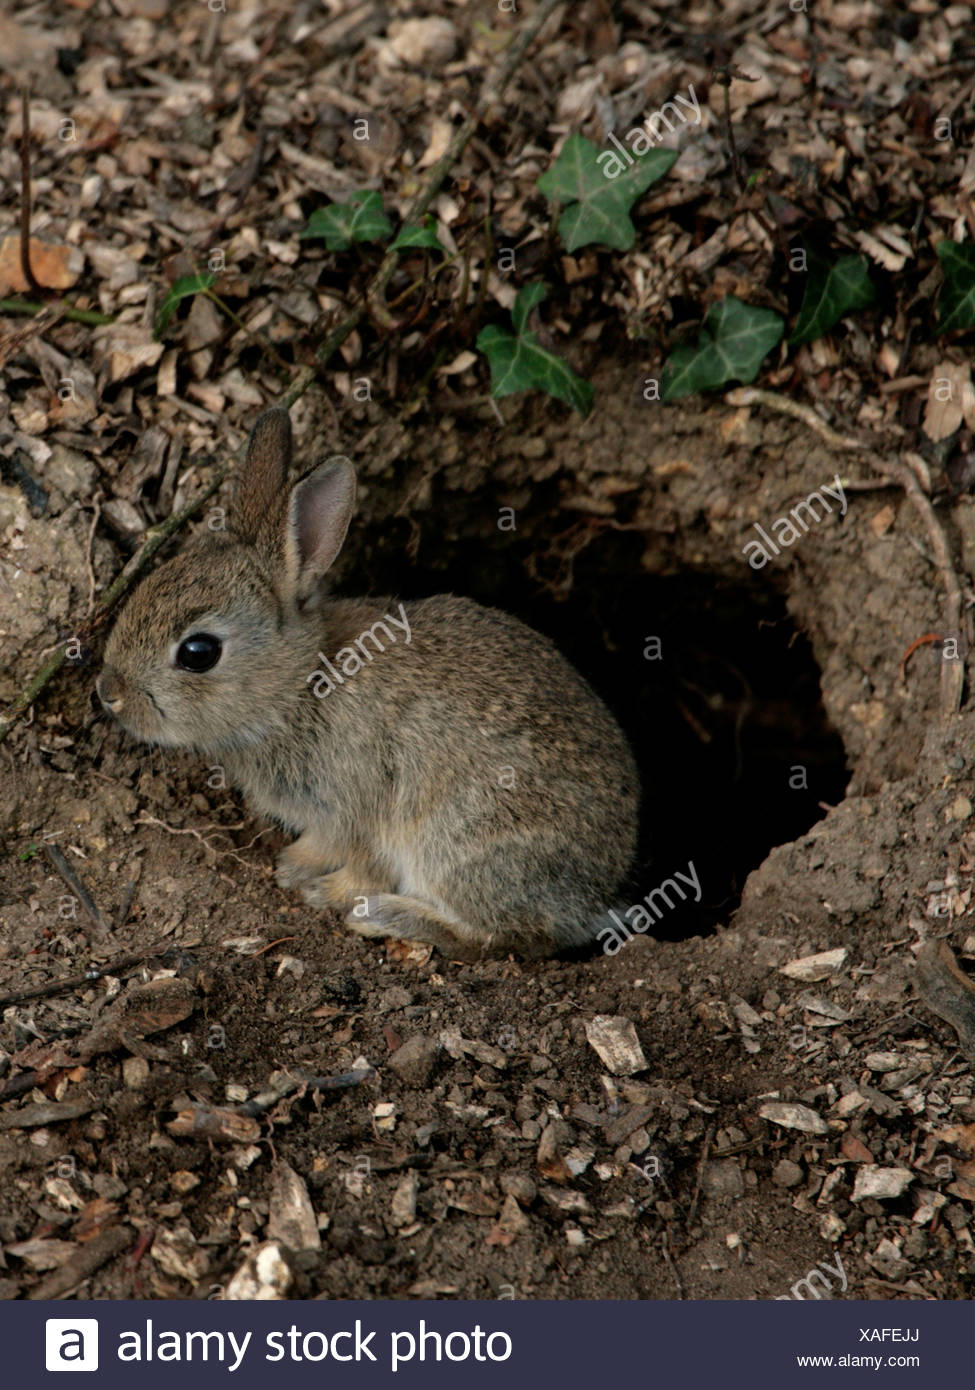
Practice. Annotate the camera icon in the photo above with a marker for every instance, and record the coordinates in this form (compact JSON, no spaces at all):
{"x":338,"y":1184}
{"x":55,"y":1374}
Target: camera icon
{"x":71,"y":1344}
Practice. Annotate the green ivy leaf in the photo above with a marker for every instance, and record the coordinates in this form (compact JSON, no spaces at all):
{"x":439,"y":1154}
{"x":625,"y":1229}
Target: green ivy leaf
{"x":179,"y":290}
{"x":525,"y":301}
{"x":831,"y":291}
{"x":360,"y":219}
{"x":413,"y":235}
{"x":956,"y":304}
{"x":734,"y":340}
{"x":519,"y":362}
{"x":600,"y":205}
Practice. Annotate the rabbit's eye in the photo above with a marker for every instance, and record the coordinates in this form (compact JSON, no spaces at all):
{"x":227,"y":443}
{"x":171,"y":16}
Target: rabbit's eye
{"x":200,"y":652}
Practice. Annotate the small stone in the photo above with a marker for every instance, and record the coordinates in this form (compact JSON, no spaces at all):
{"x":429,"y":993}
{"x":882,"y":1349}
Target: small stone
{"x":578,"y":1158}
{"x":135,"y":1072}
{"x":960,"y":808}
{"x":881,"y":1183}
{"x":384,"y":1115}
{"x":556,"y":1136}
{"x":792,"y":1116}
{"x":178,"y":1253}
{"x":744,"y":1013}
{"x":616,"y":1042}
{"x":511,"y":1223}
{"x":786,"y":1173}
{"x":520,"y":1186}
{"x":183,"y":1181}
{"x":291,"y":1217}
{"x":415,"y":1061}
{"x":817,"y":967}
{"x":264,"y":1275}
{"x":723,"y":1179}
{"x":396,"y":997}
{"x":123,"y":518}
{"x":402,"y":1209}
{"x":831,"y":1227}
{"x":634,"y":1117}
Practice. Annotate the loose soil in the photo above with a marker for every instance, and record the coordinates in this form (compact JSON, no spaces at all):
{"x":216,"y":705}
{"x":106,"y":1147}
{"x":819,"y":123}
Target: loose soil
{"x":530,"y":1161}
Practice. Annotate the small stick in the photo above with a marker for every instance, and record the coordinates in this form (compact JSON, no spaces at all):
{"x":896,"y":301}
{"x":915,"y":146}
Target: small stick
{"x":724,"y":77}
{"x":90,"y":1257}
{"x":295,"y":1081}
{"x":126,"y":904}
{"x":29,"y":306}
{"x":948,"y":992}
{"x":102,"y":929}
{"x":705,"y":1150}
{"x":86,"y":977}
{"x":25,"y":266}
{"x":665,"y":1247}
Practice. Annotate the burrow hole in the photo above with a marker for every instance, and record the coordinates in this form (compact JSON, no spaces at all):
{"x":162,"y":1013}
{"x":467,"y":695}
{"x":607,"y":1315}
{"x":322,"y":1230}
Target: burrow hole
{"x":736,"y":753}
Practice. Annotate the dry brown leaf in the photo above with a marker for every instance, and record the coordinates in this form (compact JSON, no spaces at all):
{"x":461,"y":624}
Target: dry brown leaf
{"x":891,"y":257}
{"x":950,"y":400}
{"x":440,"y":133}
{"x":125,"y":348}
{"x":55,"y":265}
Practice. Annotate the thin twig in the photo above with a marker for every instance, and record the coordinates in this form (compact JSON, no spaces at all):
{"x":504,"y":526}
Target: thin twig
{"x":705,"y":1151}
{"x":71,"y":879}
{"x":25,"y":266}
{"x":197,"y":835}
{"x":84,"y":978}
{"x":250,"y":333}
{"x":96,"y":511}
{"x":665,"y":1247}
{"x":30,"y":306}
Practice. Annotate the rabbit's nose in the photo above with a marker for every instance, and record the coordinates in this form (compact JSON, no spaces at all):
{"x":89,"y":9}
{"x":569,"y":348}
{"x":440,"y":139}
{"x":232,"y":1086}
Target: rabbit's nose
{"x":109,"y":688}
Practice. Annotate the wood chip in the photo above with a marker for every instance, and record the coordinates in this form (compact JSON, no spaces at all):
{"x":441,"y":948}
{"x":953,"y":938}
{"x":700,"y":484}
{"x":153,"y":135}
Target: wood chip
{"x":615,"y":1041}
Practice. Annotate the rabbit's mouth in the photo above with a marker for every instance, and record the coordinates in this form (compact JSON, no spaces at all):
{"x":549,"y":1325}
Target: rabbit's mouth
{"x":137,"y":710}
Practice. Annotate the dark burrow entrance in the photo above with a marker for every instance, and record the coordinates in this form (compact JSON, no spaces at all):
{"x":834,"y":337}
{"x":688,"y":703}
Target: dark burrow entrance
{"x":716,"y":688}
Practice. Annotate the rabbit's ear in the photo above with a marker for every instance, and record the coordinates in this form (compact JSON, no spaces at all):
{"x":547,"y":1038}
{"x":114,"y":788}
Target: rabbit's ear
{"x":264,"y":476}
{"x":318,"y":518}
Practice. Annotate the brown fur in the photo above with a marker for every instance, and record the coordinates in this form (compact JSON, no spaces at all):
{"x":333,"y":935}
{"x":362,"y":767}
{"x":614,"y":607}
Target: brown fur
{"x":395,"y":780}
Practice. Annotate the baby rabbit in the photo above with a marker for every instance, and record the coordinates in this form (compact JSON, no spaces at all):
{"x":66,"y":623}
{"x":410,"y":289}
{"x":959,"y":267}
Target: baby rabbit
{"x":460,"y":784}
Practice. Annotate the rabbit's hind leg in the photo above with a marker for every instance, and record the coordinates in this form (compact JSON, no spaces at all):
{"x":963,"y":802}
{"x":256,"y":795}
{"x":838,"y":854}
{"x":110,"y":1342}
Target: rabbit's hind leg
{"x":409,"y":919}
{"x":305,"y":859}
{"x":346,"y":888}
